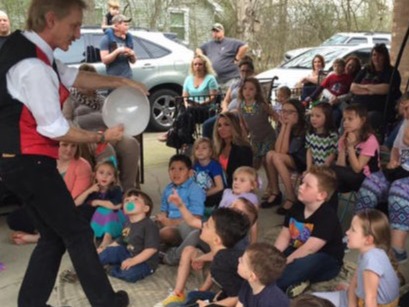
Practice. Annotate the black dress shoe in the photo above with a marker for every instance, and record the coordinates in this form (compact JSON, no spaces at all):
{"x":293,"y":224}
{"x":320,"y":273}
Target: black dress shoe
{"x":277,"y":200}
{"x":283,"y":211}
{"x":121,"y":299}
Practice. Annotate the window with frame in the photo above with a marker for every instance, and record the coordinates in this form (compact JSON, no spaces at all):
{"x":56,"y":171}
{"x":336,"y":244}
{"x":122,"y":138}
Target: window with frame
{"x":179,"y":23}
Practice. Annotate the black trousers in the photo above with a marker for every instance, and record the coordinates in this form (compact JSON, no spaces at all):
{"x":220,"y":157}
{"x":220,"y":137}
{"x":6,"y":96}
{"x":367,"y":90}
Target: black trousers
{"x":347,"y":179}
{"x":36,"y":181}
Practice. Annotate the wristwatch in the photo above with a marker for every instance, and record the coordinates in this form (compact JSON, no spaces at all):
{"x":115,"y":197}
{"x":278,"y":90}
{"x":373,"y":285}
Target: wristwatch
{"x":102,"y":134}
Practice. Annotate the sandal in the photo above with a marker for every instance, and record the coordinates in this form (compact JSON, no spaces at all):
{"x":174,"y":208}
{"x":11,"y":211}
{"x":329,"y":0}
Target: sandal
{"x":271,"y":203}
{"x":282,"y":210}
{"x":267,"y":193}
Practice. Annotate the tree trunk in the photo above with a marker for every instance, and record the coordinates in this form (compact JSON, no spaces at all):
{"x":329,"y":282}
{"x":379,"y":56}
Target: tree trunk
{"x":400,"y":25}
{"x":89,"y":14}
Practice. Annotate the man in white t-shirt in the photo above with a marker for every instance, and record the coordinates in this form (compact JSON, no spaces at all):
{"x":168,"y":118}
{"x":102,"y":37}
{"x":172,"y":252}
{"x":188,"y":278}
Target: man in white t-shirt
{"x":31,"y":125}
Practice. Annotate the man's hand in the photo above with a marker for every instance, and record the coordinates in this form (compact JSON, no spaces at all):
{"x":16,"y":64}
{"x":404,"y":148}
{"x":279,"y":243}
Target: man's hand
{"x":136,"y":85}
{"x":114,"y":133}
{"x":129,"y":52}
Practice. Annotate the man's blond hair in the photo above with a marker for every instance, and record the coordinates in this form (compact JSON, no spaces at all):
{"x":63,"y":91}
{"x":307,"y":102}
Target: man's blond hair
{"x":39,"y":8}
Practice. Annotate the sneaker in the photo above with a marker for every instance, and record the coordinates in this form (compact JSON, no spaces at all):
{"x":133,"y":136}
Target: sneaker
{"x":121,"y":299}
{"x":401,"y":257}
{"x":172,"y":298}
{"x":297,"y":289}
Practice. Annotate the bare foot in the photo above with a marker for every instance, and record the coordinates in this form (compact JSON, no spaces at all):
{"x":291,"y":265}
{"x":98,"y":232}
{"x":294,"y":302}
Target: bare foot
{"x":21,"y":238}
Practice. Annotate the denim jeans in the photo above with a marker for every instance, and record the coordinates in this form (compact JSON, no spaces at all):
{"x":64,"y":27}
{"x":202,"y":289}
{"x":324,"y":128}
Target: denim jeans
{"x":114,"y":255}
{"x":194,"y":296}
{"x":314,"y":268}
{"x":36,"y":181}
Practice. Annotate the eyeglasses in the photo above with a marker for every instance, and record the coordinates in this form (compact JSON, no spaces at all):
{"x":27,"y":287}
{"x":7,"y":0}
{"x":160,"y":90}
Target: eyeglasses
{"x":197,"y":64}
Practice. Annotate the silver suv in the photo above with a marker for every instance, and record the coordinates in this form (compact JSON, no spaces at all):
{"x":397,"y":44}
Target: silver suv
{"x":162,"y":65}
{"x":347,"y":38}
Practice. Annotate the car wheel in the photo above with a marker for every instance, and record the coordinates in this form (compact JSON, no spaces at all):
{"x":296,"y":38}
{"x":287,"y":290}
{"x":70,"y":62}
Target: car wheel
{"x":162,"y":109}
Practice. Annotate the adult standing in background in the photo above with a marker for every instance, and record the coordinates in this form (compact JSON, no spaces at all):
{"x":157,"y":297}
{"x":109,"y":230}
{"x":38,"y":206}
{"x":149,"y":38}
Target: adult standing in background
{"x":117,"y":54}
{"x":34,"y":87}
{"x":225,"y":54}
{"x":4,"y":27}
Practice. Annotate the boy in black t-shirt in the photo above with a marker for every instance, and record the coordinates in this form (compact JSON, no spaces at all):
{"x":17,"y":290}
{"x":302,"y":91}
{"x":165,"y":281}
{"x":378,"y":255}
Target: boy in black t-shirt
{"x":261,"y":265}
{"x":134,"y":255}
{"x":311,"y":237}
{"x":221,"y":232}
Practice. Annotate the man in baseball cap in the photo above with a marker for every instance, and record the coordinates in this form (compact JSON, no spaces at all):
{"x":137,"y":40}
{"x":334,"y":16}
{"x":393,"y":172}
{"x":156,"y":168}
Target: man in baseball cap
{"x":120,"y":18}
{"x":218,"y":27}
{"x":225,"y":53}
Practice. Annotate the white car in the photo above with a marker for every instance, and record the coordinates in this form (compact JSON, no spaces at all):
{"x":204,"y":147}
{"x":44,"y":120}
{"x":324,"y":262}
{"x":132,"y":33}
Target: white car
{"x":293,"y":71}
{"x":162,"y":65}
{"x":347,"y":38}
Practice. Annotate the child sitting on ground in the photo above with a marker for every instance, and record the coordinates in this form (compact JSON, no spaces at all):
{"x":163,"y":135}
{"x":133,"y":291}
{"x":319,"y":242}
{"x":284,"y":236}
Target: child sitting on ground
{"x":173,"y":230}
{"x":375,"y":282}
{"x":208,"y":173}
{"x":134,"y":256}
{"x":261,"y":265}
{"x":193,"y":258}
{"x":245,"y":184}
{"x":224,"y":229}
{"x":106,"y":196}
{"x":311,"y":237}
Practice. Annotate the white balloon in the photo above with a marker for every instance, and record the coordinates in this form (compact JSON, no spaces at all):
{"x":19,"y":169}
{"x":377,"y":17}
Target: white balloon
{"x":127,"y":106}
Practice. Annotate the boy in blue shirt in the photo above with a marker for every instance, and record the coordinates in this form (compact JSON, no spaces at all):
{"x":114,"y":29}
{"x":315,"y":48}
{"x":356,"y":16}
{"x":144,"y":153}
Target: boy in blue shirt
{"x":173,"y":230}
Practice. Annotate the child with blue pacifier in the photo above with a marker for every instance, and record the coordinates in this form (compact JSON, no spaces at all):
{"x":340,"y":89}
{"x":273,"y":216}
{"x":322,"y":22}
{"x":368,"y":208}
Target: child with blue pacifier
{"x":134,"y":255}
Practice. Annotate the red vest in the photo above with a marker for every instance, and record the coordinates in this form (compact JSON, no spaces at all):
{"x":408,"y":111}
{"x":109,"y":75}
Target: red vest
{"x":19,"y":127}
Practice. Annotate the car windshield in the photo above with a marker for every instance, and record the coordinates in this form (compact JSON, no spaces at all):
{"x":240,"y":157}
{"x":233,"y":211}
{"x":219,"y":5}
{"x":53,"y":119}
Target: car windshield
{"x":304,"y":60}
{"x":336,"y":39}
